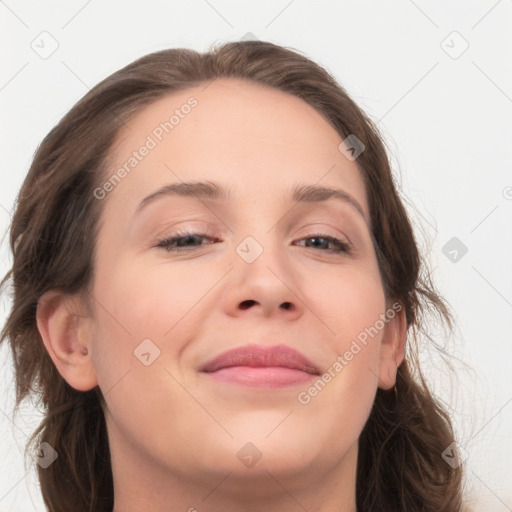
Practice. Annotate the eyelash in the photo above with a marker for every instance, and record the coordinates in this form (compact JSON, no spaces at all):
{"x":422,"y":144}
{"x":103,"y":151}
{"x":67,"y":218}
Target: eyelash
{"x":166,"y":243}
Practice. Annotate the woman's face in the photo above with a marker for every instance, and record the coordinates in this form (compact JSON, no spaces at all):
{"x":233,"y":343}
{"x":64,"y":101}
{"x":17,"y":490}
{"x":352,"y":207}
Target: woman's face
{"x":252,"y":268}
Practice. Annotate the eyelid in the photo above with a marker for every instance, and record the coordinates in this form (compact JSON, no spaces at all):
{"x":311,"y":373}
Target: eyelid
{"x":190,"y":229}
{"x":322,"y":232}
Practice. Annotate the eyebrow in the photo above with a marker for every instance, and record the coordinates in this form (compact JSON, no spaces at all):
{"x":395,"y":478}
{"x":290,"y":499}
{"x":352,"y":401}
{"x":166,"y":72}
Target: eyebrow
{"x":214,"y":191}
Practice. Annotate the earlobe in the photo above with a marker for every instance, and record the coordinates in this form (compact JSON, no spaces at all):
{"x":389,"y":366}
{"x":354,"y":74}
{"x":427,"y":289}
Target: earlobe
{"x":66,"y":340}
{"x":392,"y":349}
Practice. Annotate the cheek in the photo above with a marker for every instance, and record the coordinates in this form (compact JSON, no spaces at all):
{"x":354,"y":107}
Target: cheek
{"x":350,"y":306}
{"x":346,"y":301}
{"x":161,"y":303}
{"x":150,"y":300}
{"x":140,"y":330}
{"x":135,"y":304}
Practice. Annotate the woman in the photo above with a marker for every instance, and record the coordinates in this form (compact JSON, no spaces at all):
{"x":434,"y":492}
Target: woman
{"x":217,"y":291}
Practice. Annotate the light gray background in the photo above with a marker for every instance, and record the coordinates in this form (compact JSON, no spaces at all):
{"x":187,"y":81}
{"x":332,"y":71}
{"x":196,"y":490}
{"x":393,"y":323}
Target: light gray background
{"x":445,"y":116}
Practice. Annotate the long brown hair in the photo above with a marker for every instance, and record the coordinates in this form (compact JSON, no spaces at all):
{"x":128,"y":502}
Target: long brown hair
{"x":52,"y":238}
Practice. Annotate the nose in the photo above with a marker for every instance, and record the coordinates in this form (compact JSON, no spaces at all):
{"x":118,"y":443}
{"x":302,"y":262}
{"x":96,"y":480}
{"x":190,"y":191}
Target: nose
{"x":266,"y":287}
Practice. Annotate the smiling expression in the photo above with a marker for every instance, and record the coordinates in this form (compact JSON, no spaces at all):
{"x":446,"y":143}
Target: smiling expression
{"x":243,"y":227}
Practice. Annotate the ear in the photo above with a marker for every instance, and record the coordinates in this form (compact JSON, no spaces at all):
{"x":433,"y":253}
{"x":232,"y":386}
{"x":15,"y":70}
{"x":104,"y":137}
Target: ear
{"x":66,"y":340}
{"x":393,"y":345}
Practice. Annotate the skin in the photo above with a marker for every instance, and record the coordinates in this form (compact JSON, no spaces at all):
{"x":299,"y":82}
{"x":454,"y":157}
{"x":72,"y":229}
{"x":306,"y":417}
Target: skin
{"x":174,"y":432}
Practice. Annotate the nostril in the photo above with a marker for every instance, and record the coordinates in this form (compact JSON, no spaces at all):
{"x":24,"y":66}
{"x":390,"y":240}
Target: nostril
{"x":286,"y":305}
{"x":247,"y":304}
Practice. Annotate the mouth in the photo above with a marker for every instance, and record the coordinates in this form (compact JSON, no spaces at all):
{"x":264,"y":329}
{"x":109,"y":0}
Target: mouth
{"x":258,"y":366}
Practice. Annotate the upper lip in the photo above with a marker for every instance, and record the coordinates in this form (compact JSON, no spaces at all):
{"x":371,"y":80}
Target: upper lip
{"x":260,"y":356}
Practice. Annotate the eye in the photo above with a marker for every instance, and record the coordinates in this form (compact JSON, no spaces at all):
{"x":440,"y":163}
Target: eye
{"x":323,"y":241}
{"x":184,"y":241}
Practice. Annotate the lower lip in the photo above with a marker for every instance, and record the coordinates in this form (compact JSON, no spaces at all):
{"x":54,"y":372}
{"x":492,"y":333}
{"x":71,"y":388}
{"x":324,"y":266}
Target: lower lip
{"x":267,"y":377}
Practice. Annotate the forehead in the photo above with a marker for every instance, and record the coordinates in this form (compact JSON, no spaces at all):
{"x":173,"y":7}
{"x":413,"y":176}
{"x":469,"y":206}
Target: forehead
{"x":244,"y":134}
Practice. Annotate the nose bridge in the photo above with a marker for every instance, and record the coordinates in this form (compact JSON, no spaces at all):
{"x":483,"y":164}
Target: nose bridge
{"x":261,"y":279}
{"x":262,"y":259}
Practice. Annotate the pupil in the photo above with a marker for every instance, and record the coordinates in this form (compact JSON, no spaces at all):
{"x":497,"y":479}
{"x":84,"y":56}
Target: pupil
{"x":186,"y":239}
{"x":316,"y":241}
